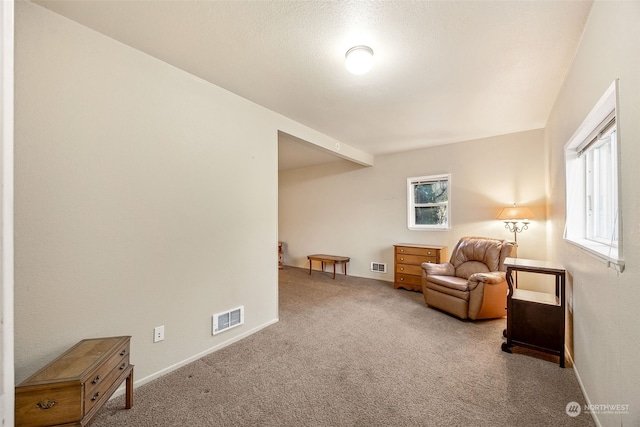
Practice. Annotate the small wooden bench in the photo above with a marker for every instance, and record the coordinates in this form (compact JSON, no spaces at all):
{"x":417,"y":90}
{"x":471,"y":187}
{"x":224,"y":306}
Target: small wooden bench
{"x":329,"y":259}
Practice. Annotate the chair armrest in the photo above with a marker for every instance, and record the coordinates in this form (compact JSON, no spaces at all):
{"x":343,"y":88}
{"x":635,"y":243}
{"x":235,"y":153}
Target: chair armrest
{"x":487,"y":295}
{"x":443,"y":269}
{"x":490,"y":278}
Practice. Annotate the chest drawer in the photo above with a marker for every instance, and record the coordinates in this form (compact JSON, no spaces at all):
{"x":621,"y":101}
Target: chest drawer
{"x":409,"y":282}
{"x":408,"y":264}
{"x":99,"y":376}
{"x":414,"y":270}
{"x":96,"y":391}
{"x":49,"y":405}
{"x":408,"y":250}
{"x":414,"y":259}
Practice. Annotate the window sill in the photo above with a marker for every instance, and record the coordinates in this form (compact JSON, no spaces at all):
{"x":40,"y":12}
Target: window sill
{"x":427,"y":228}
{"x":604,"y":253}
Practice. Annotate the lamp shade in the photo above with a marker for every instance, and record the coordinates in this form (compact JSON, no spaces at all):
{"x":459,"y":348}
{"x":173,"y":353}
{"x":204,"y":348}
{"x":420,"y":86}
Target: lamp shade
{"x":516,"y":213}
{"x":359,"y":59}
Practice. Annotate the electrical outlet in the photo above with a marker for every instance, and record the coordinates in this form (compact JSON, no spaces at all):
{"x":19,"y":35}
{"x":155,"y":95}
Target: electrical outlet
{"x":158,"y":333}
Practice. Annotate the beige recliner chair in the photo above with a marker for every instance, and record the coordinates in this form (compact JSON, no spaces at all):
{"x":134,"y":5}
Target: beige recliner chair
{"x":472,"y":284}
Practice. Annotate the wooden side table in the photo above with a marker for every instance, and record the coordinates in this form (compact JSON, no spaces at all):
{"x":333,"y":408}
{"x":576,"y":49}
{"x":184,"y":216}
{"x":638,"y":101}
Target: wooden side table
{"x":71,"y":390}
{"x":329,"y":259}
{"x":536,"y":320}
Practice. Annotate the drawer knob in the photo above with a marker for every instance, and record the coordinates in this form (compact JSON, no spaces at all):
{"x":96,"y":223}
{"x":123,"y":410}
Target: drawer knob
{"x":401,"y":259}
{"x":124,"y":365}
{"x":401,"y":279}
{"x":123,"y":352}
{"x":429,"y":252}
{"x":401,"y":250}
{"x":96,"y":379}
{"x":46,"y":404}
{"x":401,"y":268}
{"x":95,"y":396}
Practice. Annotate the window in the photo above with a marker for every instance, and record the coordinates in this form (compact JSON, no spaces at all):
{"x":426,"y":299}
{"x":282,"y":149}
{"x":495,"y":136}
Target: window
{"x":428,"y":202}
{"x":593,"y":209}
{"x":602,"y":194}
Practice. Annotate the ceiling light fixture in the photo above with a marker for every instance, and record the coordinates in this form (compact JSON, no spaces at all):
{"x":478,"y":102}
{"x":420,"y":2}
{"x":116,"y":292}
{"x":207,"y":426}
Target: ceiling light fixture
{"x":359,"y":59}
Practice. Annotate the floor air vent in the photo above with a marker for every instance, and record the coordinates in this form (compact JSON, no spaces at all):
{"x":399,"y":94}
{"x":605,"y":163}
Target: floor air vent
{"x":228,"y":319}
{"x":379,"y":267}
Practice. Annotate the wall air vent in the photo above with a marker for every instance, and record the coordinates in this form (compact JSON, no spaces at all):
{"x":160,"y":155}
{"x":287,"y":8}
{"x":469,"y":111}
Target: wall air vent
{"x":227,"y":320}
{"x":379,"y":267}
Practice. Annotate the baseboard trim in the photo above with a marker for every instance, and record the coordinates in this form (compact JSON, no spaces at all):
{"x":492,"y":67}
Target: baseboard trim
{"x":193,"y":358}
{"x":580,"y":383}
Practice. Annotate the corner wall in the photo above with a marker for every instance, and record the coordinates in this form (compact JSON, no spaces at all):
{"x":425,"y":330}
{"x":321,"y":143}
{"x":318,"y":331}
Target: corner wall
{"x":144,"y":197}
{"x":350,"y":210}
{"x":606,"y":317}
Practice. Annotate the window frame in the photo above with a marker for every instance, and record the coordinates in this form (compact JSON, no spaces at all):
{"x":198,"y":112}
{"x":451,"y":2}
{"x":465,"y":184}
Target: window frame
{"x":579,"y":151}
{"x":411,"y":203}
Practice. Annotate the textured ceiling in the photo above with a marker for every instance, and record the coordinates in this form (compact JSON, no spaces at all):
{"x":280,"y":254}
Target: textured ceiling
{"x":445,"y":71}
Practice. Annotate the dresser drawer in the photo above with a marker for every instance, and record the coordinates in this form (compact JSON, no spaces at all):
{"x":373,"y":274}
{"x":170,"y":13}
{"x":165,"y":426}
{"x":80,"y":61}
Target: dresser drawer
{"x":414,"y":270}
{"x":412,"y":250}
{"x":49,"y":405}
{"x":414,"y":259}
{"x":411,"y":281}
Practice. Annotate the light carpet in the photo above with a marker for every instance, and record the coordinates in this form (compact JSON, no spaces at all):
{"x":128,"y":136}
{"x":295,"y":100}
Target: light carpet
{"x":356,"y":352}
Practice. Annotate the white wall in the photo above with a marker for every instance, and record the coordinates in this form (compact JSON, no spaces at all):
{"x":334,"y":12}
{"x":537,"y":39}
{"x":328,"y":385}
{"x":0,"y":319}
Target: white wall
{"x":606,"y":316}
{"x":361,"y":212}
{"x":144,"y":197}
{"x":6,"y":214}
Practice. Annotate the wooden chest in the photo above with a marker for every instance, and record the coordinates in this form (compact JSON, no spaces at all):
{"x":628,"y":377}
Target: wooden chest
{"x":408,"y":260}
{"x":70,"y":390}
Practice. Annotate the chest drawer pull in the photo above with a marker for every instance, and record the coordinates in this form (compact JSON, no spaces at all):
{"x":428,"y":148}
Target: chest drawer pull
{"x":123,"y":352}
{"x":124,"y":365}
{"x":95,"y":396}
{"x":96,"y":379}
{"x":46,"y":404}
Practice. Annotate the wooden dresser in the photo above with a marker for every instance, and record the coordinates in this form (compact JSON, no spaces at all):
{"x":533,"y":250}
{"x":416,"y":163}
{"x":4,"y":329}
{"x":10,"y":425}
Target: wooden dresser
{"x":408,"y":260}
{"x":70,"y":390}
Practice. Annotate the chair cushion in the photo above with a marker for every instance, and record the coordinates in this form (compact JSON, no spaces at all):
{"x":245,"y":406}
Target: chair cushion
{"x":469,"y":268}
{"x":449,"y":285}
{"x":484,"y":250}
